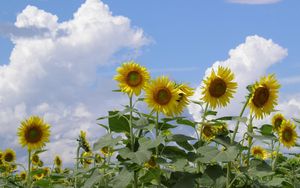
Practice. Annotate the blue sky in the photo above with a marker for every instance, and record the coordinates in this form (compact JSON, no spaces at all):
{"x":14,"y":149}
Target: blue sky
{"x":190,"y":35}
{"x":51,"y":74}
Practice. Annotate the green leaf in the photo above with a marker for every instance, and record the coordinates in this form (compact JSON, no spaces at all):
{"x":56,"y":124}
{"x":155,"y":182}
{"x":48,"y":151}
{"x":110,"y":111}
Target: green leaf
{"x":147,"y":143}
{"x":182,"y":179}
{"x":233,"y":118}
{"x":93,"y":179}
{"x":42,"y":183}
{"x":213,"y":176}
{"x":186,"y":122}
{"x":173,"y":152}
{"x":139,"y":157}
{"x":211,"y":154}
{"x":122,"y":179}
{"x":210,"y":113}
{"x":262,"y":137}
{"x":118,"y":124}
{"x":260,"y":168}
{"x":182,"y":140}
{"x":150,"y":175}
{"x":275,"y":182}
{"x":106,"y":140}
{"x":266,"y":129}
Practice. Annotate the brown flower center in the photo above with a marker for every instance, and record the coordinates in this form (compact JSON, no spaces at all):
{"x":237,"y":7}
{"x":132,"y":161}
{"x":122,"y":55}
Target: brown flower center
{"x":8,"y":157}
{"x":207,"y":131}
{"x":287,"y":135}
{"x":258,"y":152}
{"x":277,"y":123}
{"x":163,"y":96}
{"x":33,"y":134}
{"x":261,"y":96}
{"x":133,"y":78}
{"x":217,"y":87}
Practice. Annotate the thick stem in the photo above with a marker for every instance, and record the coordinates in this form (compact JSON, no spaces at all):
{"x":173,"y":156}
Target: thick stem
{"x":238,"y":122}
{"x":250,"y":139}
{"x":228,"y":175}
{"x":232,"y":140}
{"x":130,"y":124}
{"x":135,"y":183}
{"x":202,"y":121}
{"x":156,"y":132}
{"x":276,"y":157}
{"x":77,"y":165}
{"x":29,"y":169}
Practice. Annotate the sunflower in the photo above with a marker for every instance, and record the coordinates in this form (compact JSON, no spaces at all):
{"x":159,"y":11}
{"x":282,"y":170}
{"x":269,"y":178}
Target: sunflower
{"x":47,"y":171}
{"x":208,"y":132}
{"x":23,"y":175}
{"x":264,"y":96}
{"x":39,"y":175}
{"x":276,"y":121}
{"x":184,"y":93}
{"x":35,"y":159}
{"x":107,"y":151}
{"x":259,"y":152}
{"x":288,"y":134}
{"x":132,"y":77}
{"x":98,"y":158}
{"x":151,"y":163}
{"x":86,"y":158}
{"x":219,"y":87}
{"x":34,"y":133}
{"x":9,"y":155}
{"x":162,"y":95}
{"x":57,"y":161}
{"x":83,"y":142}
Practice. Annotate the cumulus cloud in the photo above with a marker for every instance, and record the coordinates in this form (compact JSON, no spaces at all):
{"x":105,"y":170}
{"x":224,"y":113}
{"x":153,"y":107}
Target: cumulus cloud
{"x":55,"y":76}
{"x":249,"y":61}
{"x":254,"y":1}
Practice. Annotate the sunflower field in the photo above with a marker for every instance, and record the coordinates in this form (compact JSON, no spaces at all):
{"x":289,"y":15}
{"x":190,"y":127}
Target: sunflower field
{"x":141,"y":149}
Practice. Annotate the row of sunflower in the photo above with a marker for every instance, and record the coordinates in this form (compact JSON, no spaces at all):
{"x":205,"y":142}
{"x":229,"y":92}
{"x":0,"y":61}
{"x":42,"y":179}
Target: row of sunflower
{"x":141,"y":149}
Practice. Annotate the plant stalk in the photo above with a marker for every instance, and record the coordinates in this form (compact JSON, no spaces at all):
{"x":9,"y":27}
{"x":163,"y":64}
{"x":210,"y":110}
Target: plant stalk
{"x":29,"y":169}
{"x":132,"y":143}
{"x":276,"y":157}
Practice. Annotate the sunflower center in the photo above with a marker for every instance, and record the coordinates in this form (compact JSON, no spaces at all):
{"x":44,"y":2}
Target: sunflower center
{"x":257,"y":152}
{"x":9,"y":157}
{"x":33,"y":135}
{"x":287,"y":135}
{"x":163,"y":96}
{"x":261,"y":96}
{"x":133,"y":78}
{"x":278,"y":122}
{"x":207,"y":131}
{"x":217,"y":87}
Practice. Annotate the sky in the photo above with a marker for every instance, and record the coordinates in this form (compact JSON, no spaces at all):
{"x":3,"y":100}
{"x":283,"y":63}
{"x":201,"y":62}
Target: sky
{"x":57,"y":58}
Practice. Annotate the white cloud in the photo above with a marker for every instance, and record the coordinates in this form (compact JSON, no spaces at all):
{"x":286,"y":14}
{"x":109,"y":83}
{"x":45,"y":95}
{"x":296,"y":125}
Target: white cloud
{"x":55,"y":76}
{"x":254,"y":1}
{"x":249,"y":61}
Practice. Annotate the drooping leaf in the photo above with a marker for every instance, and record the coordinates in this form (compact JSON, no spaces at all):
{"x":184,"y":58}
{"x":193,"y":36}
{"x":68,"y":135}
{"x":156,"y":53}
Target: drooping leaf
{"x":106,"y":140}
{"x":118,"y":124}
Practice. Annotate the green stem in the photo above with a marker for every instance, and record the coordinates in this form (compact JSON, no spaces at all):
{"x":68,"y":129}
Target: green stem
{"x":250,"y":139}
{"x":275,"y":160}
{"x":77,"y":165}
{"x":157,"y":132}
{"x":135,"y":185}
{"x":130,"y":124}
{"x":228,"y":175}
{"x":202,"y":121}
{"x":238,"y":122}
{"x":232,"y":140}
{"x":29,"y":169}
